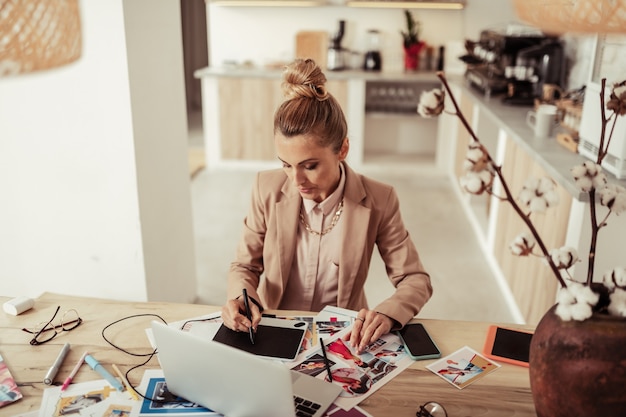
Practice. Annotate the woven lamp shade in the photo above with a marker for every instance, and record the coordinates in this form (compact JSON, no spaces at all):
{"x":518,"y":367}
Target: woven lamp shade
{"x":576,"y":16}
{"x":38,"y":34}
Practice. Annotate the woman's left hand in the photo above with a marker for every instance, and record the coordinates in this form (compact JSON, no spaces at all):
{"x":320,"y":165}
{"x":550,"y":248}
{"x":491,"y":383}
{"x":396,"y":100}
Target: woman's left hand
{"x":368,"y":327}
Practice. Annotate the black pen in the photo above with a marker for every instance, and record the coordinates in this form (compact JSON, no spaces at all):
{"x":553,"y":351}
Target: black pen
{"x":248,"y":314}
{"x":326,"y":363}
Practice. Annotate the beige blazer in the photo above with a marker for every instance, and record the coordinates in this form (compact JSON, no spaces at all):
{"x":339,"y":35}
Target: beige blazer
{"x":371,"y":217}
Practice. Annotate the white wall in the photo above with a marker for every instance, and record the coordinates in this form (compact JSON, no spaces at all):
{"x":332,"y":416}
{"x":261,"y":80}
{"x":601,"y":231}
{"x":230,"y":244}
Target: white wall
{"x":267,"y":34}
{"x":91,"y":165}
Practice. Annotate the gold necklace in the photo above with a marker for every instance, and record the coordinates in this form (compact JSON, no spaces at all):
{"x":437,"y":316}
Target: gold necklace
{"x":329,"y":228}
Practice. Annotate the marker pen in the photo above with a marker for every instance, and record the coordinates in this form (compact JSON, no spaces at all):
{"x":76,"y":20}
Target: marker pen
{"x":96,"y":366}
{"x":69,"y":379}
{"x":56,"y":365}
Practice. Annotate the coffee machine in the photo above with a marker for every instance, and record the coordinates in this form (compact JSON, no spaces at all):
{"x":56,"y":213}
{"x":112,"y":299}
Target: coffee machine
{"x":535,"y":66}
{"x":514,"y":65}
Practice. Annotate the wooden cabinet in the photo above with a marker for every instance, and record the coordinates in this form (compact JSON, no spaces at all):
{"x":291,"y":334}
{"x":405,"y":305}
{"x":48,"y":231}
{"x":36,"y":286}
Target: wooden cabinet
{"x":246,"y":117}
{"x":530,"y":279}
{"x":245,"y":108}
{"x":528,"y":282}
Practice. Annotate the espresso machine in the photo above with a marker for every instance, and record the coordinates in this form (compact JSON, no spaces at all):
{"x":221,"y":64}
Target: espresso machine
{"x":535,"y":66}
{"x":515,"y":66}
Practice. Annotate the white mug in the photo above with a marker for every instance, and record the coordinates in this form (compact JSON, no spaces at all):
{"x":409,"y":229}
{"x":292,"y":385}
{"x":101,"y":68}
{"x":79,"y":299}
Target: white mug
{"x":543,"y":120}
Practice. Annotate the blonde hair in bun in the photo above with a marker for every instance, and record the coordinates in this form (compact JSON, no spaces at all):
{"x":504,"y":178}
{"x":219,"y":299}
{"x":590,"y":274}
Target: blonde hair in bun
{"x":304,"y":78}
{"x":309,"y":109}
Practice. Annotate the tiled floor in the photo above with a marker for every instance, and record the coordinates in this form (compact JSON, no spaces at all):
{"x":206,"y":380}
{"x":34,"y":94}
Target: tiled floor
{"x":464,"y":286}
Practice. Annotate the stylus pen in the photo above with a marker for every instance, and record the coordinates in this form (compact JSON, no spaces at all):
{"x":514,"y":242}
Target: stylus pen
{"x":96,"y":366}
{"x":52,"y":372}
{"x":326,"y":363}
{"x":69,"y":379}
{"x":248,"y":314}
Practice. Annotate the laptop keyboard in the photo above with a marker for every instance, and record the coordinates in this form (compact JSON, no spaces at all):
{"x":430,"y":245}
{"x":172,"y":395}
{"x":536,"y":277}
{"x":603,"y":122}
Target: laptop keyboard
{"x":305,"y":408}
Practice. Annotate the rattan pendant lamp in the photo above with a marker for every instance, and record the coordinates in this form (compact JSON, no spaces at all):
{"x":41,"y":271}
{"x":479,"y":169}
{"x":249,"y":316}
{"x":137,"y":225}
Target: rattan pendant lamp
{"x":37,"y":35}
{"x":574,"y":16}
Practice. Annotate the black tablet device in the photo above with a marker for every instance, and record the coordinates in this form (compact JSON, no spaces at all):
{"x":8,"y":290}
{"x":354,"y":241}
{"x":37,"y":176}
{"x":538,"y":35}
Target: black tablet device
{"x":508,"y":345}
{"x":274,"y":338}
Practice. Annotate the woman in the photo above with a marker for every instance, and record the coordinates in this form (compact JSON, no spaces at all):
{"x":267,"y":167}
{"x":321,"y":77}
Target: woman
{"x":311,"y":228}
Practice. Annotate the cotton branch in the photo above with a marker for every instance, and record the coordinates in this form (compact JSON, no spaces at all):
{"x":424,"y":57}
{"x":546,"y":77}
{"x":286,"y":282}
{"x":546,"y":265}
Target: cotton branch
{"x":509,"y":197}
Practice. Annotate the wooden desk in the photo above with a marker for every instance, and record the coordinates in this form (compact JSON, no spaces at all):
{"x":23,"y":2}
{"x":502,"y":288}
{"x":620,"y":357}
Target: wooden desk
{"x":504,"y":392}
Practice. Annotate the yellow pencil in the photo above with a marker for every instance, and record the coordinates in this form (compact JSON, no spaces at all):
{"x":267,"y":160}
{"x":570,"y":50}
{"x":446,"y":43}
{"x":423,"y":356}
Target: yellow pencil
{"x":126,"y":383}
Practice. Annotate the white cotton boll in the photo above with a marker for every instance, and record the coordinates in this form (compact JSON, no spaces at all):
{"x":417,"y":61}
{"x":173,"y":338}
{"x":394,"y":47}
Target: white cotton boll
{"x":525,"y":196}
{"x":575,"y":302}
{"x":584,"y":184}
{"x":592,"y":168}
{"x":476,"y":182}
{"x":617,"y":307}
{"x":599,"y":180}
{"x":563,"y":311}
{"x":429,"y":98}
{"x":588,"y":175}
{"x":538,"y":194}
{"x":538,"y":205}
{"x":581,"y":311}
{"x":619,"y":275}
{"x":472,"y":158}
{"x":619,"y":205}
{"x":476,"y":157}
{"x":564,"y":257}
{"x":615,"y":277}
{"x":523,"y":244}
{"x":614,"y":197}
{"x":422,"y":110}
{"x":474,"y":154}
{"x":545,"y":185}
{"x":585,"y":294}
{"x":564,"y":296}
{"x":552,"y":198}
{"x":486,"y":177}
{"x":431,"y":103}
{"x":529,"y":191}
{"x":582,"y":176}
{"x":578,"y":171}
{"x":471,"y":183}
{"x":607,"y":280}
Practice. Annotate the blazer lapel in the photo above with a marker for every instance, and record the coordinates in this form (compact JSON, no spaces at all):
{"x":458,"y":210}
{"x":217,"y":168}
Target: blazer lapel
{"x":355,"y":228}
{"x":287,"y":215}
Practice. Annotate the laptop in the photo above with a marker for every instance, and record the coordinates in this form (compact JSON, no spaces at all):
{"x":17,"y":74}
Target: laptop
{"x":236,"y":383}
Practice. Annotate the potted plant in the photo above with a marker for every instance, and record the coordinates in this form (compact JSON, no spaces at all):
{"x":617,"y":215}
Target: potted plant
{"x":577,"y":355}
{"x":411,"y":42}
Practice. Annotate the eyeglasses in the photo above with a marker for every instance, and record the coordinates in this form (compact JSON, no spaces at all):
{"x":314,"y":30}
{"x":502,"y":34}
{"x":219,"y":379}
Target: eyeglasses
{"x":45,"y":332}
{"x":431,"y":409}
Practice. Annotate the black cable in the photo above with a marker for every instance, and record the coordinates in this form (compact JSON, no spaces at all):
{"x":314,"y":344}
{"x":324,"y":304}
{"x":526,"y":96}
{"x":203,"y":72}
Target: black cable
{"x":149,"y":355}
{"x":126,"y":318}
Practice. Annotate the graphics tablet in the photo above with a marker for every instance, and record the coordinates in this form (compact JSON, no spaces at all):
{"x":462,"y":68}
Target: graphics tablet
{"x":274,"y":338}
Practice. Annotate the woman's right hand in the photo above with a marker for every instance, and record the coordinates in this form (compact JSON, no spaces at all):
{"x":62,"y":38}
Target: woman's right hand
{"x":234,"y":315}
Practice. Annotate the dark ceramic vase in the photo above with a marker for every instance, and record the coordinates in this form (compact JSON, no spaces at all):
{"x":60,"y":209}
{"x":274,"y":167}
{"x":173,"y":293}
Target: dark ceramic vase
{"x":579,"y":368}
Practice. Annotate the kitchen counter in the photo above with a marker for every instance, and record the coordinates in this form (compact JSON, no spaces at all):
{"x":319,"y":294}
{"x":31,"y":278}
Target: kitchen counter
{"x":230,"y":91}
{"x":551,"y":155}
{"x":529,"y":286}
